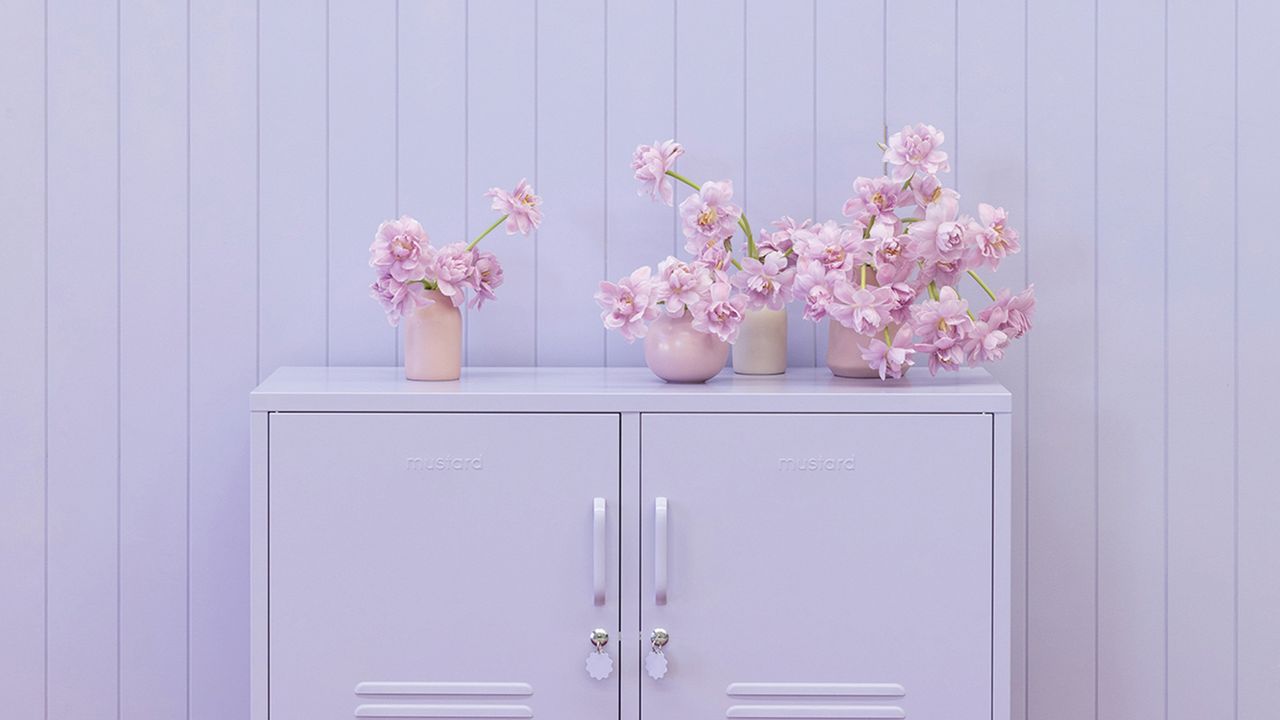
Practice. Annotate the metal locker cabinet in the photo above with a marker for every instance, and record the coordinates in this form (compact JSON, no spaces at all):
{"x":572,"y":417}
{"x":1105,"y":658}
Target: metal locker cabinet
{"x":815,"y":568}
{"x":426,"y":564}
{"x":829,"y":548}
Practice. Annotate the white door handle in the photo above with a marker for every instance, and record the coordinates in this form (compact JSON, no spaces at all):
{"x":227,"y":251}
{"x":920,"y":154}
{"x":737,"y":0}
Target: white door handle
{"x":660,"y":551}
{"x":599,"y":549}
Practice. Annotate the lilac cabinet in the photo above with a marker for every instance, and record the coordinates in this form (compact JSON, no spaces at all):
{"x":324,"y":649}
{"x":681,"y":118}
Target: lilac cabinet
{"x":448,"y":550}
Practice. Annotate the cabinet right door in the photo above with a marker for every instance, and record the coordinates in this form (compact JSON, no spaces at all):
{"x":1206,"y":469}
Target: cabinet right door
{"x":805,"y":565}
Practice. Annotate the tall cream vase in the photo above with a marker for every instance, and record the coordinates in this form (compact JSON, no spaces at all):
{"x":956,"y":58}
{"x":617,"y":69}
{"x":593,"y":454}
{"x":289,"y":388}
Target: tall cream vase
{"x":433,"y":340}
{"x":761,"y":347}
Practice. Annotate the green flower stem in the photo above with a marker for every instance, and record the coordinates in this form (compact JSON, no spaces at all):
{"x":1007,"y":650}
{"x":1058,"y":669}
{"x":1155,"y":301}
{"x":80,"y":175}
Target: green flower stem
{"x":887,"y":341}
{"x":933,"y":290}
{"x":684,"y":180}
{"x":742,"y":219}
{"x":864,"y":276}
{"x":983,"y":285}
{"x":490,"y":229}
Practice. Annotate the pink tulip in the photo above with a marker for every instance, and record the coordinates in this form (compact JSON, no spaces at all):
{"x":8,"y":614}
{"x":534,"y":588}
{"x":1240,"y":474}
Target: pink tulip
{"x":398,"y":299}
{"x":766,"y":283}
{"x":1014,"y":311}
{"x":864,"y":310}
{"x":451,"y":270}
{"x":813,"y":283}
{"x":520,"y":206}
{"x":914,"y":151}
{"x":486,"y":276}
{"x":876,"y":199}
{"x":680,"y":285}
{"x":708,"y":215}
{"x":629,"y":305}
{"x":890,"y":360}
{"x":400,"y":249}
{"x":994,"y":236}
{"x":834,"y":245}
{"x":651,"y":163}
{"x":720,"y":312}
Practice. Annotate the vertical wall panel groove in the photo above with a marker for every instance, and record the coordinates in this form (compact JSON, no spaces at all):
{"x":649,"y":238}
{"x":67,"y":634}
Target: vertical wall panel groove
{"x":570,"y":160}
{"x":224,"y":229}
{"x":1130,"y":409}
{"x":847,"y":124}
{"x":640,"y":108}
{"x":83,"y":363}
{"x":432,"y":105}
{"x":1061,"y":415}
{"x":1258,"y":455}
{"x":293,"y":163}
{"x":1201,"y":359}
{"x":23,"y":254}
{"x":362,"y":173}
{"x":154,"y":362}
{"x":779,"y":134}
{"x":710,"y":103}
{"x":501,"y":118}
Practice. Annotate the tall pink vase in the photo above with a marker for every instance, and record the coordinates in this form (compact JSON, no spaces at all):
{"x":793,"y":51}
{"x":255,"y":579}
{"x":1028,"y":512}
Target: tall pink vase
{"x":677,"y":353}
{"x":844,"y":352}
{"x":433,"y":341}
{"x":844,"y":347}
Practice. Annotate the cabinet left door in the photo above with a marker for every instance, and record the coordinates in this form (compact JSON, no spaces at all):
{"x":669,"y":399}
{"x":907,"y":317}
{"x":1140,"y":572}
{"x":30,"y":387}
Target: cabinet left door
{"x":441,"y":565}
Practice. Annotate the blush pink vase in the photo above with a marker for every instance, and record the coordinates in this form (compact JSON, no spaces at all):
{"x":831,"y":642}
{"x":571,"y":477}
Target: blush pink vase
{"x":433,"y":341}
{"x":844,"y":351}
{"x":677,"y":353}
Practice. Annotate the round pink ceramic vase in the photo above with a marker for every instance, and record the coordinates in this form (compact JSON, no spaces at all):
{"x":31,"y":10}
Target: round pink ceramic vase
{"x":677,"y":353}
{"x":844,"y":351}
{"x":433,"y":341}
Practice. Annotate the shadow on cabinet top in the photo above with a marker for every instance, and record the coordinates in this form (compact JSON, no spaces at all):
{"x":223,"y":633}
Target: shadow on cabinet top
{"x":622,"y":389}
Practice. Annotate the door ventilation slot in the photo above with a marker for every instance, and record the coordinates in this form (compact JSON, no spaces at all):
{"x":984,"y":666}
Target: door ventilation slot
{"x":444,"y":711}
{"x":783,"y":689}
{"x":504,"y":689}
{"x":864,"y":712}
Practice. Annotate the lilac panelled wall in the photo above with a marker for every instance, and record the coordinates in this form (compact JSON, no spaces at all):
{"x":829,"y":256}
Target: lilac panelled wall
{"x":188,"y":191}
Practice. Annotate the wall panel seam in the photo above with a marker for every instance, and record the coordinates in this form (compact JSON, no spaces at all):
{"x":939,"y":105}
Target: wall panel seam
{"x":1165,"y":369}
{"x":1165,"y":328}
{"x":1235,"y":360}
{"x":187,"y":500}
{"x":328,"y":210}
{"x":45,"y":618}
{"x":1097,"y":352}
{"x":119,"y":352}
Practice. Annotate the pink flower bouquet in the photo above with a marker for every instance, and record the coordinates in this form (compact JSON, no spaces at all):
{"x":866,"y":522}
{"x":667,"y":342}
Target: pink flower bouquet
{"x":714,"y":288}
{"x":906,"y":240}
{"x":408,"y":266}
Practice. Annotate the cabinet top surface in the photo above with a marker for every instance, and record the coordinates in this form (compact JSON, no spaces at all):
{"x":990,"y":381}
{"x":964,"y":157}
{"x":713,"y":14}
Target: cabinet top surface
{"x":619,"y":389}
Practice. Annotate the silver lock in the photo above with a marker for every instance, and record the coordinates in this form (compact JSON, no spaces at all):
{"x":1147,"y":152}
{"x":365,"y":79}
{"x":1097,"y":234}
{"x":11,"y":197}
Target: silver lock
{"x":599,"y":638}
{"x":655,"y":663}
{"x":659,"y":638}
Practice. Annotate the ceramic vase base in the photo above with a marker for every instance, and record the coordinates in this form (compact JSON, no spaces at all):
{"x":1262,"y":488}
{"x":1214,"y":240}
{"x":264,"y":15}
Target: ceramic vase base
{"x":677,"y":353}
{"x":758,"y":373}
{"x":433,"y":341}
{"x":855,"y":373}
{"x":409,"y":376}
